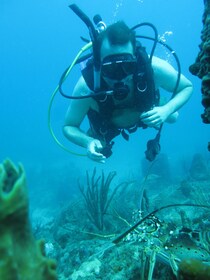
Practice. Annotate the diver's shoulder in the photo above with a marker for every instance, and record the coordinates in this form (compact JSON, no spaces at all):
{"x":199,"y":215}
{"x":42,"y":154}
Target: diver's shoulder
{"x":158,"y":62}
{"x":81,"y":88}
{"x":161,"y":66}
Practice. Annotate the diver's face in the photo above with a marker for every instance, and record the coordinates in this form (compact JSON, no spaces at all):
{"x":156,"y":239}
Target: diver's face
{"x":118,"y":62}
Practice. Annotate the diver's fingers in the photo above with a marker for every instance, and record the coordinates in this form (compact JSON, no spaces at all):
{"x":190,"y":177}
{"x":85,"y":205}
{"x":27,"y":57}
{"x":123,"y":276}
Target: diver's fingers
{"x":93,"y":151}
{"x":153,"y":121}
{"x":152,"y":118}
{"x":150,"y":115}
{"x":147,"y":114}
{"x":97,"y":157}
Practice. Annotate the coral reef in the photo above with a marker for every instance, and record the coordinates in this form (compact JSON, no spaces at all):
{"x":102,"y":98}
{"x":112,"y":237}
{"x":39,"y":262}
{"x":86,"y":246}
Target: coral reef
{"x":160,"y":168}
{"x":98,"y":196}
{"x":201,"y":67}
{"x":87,"y":269}
{"x":21,"y":256}
{"x":199,"y":169}
{"x":153,"y":250}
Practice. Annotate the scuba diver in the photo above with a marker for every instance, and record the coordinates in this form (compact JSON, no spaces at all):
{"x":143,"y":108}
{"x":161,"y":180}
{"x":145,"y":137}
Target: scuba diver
{"x":128,"y":82}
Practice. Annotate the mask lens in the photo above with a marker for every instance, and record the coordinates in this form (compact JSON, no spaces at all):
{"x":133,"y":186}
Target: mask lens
{"x":118,"y":67}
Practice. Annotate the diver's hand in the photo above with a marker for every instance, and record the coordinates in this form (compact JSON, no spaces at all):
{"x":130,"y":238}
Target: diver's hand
{"x":155,"y":117}
{"x":93,"y":151}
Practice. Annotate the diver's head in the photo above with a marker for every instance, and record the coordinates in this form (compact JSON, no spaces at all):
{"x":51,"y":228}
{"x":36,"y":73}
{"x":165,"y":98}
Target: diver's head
{"x":117,"y":48}
{"x":118,"y":35}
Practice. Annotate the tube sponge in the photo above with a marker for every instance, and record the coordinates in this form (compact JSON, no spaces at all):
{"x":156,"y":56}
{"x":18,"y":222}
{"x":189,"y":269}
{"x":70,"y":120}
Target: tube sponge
{"x":21,"y":256}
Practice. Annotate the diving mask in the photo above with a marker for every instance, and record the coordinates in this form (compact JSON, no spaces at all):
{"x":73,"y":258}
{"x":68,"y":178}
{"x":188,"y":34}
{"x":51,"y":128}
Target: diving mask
{"x":118,"y":66}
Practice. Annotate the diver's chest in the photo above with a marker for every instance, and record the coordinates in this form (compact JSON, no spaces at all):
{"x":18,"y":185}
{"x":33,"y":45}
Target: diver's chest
{"x":124,"y":118}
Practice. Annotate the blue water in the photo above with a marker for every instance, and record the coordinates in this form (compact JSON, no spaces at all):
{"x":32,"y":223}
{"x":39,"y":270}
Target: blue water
{"x":40,"y":38}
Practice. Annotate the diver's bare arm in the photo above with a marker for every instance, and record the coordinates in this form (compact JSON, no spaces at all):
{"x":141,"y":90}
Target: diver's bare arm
{"x":167,"y":77}
{"x":77,"y":111}
{"x":77,"y":136}
{"x":75,"y":115}
{"x":182,"y":95}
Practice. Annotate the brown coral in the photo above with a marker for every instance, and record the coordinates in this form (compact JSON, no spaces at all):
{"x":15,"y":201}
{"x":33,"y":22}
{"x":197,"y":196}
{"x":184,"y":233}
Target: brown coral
{"x":201,"y":67}
{"x":21,"y":256}
{"x":192,"y":269}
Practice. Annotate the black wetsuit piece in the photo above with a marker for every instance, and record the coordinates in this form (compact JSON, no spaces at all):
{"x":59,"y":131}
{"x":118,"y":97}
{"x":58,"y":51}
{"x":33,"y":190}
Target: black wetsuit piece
{"x":145,"y":98}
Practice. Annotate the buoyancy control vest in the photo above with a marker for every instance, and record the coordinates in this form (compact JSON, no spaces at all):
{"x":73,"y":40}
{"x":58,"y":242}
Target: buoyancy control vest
{"x":145,"y":97}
